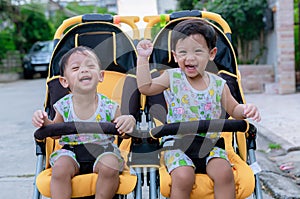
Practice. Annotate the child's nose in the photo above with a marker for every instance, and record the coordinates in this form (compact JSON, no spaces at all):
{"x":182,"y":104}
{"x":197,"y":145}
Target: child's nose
{"x":190,"y":56}
{"x":83,"y":69}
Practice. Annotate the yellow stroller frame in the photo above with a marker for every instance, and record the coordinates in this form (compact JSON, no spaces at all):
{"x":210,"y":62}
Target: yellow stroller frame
{"x":239,"y":145}
{"x":120,"y":85}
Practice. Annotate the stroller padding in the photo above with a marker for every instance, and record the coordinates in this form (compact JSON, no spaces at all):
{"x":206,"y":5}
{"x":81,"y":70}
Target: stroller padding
{"x":119,"y":49}
{"x":123,"y":89}
{"x":100,"y":40}
{"x":204,"y":187}
{"x":119,"y":87}
{"x":83,"y":185}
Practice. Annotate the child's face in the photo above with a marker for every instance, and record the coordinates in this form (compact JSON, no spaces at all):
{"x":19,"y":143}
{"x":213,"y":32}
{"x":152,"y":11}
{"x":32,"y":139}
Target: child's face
{"x":82,"y":73}
{"x":193,"y":54}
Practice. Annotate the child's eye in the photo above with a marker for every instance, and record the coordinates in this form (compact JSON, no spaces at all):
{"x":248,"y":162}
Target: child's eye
{"x":182,"y":53}
{"x":199,"y":51}
{"x":75,"y":68}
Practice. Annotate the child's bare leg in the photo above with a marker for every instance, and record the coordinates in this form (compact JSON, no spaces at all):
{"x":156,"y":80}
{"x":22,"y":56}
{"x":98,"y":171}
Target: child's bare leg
{"x":108,"y":177}
{"x":219,"y":170}
{"x":63,"y":171}
{"x":183,"y":179}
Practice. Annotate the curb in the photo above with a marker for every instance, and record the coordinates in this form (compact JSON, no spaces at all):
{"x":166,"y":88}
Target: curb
{"x":268,"y":135}
{"x":276,"y":183}
{"x":9,"y":77}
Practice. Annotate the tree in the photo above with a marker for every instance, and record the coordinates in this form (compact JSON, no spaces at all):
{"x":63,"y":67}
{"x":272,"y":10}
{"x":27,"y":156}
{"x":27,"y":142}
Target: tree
{"x":75,"y":7}
{"x":186,"y":4}
{"x":245,"y":19}
{"x":35,"y":26}
{"x":26,"y":24}
{"x":7,"y":11}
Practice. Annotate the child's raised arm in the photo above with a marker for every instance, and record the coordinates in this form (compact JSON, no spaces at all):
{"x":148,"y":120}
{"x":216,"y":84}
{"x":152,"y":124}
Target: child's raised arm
{"x":146,"y":84}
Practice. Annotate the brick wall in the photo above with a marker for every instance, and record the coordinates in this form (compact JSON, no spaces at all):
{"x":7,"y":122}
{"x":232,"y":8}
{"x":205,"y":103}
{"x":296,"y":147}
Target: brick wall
{"x":256,"y":78}
{"x":284,"y":27}
{"x":279,"y":76}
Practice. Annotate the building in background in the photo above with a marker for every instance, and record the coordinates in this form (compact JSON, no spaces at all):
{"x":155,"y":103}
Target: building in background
{"x":165,"y":6}
{"x":110,"y":5}
{"x":143,"y":8}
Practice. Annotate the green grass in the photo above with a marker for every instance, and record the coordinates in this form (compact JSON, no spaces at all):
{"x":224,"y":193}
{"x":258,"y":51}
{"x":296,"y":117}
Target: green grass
{"x":274,"y":146}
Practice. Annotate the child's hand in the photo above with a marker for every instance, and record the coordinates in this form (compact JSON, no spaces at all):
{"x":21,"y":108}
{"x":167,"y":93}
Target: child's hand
{"x":125,"y":123}
{"x":38,"y":118}
{"x":144,"y":48}
{"x":251,"y":111}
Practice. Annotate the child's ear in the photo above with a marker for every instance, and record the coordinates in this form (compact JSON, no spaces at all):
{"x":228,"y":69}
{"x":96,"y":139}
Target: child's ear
{"x":174,"y":56}
{"x":101,"y":75}
{"x":212,"y":53}
{"x":63,"y":82}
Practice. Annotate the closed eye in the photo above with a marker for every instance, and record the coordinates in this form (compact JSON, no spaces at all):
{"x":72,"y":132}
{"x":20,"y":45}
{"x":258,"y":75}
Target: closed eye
{"x":75,"y":68}
{"x":182,"y":53}
{"x":91,"y":66}
{"x":199,"y":51}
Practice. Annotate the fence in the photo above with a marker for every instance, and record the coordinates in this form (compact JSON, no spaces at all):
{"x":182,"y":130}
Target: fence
{"x":12,"y":63}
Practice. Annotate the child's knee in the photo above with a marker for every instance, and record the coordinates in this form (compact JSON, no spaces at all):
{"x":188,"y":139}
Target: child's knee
{"x":108,"y":161}
{"x":64,"y":167}
{"x":106,"y":171}
{"x":224,"y":175}
{"x":107,"y":165}
{"x":183,"y":175}
{"x":220,"y":170}
{"x":61,"y":172}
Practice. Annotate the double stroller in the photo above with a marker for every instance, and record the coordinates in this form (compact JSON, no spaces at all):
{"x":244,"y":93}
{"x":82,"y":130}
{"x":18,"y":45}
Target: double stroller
{"x":145,"y":175}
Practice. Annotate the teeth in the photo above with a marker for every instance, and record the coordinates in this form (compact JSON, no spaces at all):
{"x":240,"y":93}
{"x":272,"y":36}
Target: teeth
{"x":85,"y":78}
{"x":190,"y":66}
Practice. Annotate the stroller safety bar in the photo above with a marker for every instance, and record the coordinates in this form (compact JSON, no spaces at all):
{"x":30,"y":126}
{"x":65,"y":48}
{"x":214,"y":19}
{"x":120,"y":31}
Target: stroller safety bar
{"x":201,"y":126}
{"x":67,"y":128}
{"x":193,"y":127}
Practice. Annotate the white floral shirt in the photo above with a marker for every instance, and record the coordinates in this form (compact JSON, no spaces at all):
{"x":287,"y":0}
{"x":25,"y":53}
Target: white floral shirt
{"x":105,"y":112}
{"x":188,"y":104}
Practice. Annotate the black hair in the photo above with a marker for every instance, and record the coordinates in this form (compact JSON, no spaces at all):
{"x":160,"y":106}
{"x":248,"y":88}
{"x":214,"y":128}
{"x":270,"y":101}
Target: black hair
{"x":83,"y":50}
{"x":189,"y":27}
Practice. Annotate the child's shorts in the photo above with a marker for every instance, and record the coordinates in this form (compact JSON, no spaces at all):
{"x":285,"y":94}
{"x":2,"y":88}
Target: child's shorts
{"x":86,"y":156}
{"x":176,"y":158}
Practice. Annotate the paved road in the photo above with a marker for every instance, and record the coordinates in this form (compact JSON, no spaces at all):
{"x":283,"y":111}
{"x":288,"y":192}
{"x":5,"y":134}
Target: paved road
{"x":17,"y":149}
{"x":280,"y":116}
{"x":280,"y":125}
{"x":18,"y":100}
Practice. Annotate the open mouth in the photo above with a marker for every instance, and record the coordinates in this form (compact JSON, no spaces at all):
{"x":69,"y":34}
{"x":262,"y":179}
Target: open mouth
{"x":190,"y":67}
{"x":83,"y":79}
